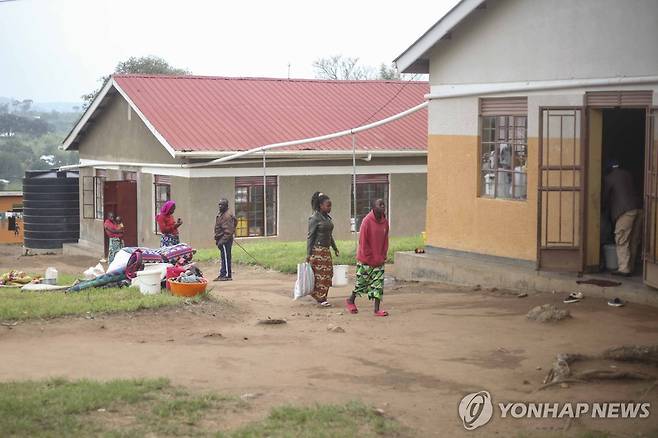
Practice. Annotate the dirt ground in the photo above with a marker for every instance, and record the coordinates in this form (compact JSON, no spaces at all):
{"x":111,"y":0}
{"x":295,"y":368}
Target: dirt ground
{"x":439,"y":343}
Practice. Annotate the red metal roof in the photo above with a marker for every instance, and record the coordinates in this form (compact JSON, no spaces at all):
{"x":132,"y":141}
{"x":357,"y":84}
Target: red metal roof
{"x":196,"y":113}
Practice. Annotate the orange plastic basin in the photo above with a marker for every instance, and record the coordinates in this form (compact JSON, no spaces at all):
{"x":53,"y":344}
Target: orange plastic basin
{"x":188,"y":289}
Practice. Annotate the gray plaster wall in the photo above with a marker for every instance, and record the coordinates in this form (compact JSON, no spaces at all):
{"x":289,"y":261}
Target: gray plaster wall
{"x":520,"y":40}
{"x":118,"y":134}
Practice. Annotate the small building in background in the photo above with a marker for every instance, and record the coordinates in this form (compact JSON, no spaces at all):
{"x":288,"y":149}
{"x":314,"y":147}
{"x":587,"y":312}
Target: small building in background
{"x":148,"y":139}
{"x":11,"y":217}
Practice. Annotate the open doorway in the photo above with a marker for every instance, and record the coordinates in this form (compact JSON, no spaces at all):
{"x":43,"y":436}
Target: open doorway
{"x":622,"y":140}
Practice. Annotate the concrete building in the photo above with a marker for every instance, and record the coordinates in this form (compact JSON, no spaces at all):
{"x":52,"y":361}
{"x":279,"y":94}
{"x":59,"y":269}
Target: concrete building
{"x":529,"y":99}
{"x":147,"y":139}
{"x":11,"y":217}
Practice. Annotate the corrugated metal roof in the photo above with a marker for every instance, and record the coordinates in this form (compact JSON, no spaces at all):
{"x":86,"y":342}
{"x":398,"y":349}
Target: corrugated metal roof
{"x":195,"y":113}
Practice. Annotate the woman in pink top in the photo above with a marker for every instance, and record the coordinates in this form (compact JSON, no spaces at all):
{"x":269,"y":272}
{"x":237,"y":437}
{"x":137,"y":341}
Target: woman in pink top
{"x":114,"y":233}
{"x":371,"y":257}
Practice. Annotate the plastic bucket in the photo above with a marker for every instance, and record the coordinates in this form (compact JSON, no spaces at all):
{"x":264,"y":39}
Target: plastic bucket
{"x":161,"y":267}
{"x":51,"y":276}
{"x":340,"y":276}
{"x":610,"y":257}
{"x":149,"y":281}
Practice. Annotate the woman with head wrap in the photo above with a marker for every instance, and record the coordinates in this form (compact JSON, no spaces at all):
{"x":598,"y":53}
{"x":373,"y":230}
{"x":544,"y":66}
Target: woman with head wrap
{"x":167,"y":225}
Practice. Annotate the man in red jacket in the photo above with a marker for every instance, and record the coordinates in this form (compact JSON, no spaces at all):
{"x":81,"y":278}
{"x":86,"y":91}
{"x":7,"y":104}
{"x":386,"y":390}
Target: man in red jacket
{"x":371,"y":257}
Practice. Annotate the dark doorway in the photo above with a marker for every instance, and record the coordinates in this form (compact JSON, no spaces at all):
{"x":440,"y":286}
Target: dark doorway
{"x":623,"y":140}
{"x":120,"y":197}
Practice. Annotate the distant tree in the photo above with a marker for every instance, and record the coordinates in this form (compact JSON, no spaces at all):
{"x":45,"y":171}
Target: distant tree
{"x":339,"y":67}
{"x":389,"y":73}
{"x":26,"y":104}
{"x":4,"y":108}
{"x":147,"y":65}
{"x":12,"y":124}
{"x":10,"y":166}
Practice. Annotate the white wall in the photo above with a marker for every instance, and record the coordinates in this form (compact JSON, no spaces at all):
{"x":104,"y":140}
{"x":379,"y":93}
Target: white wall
{"x":519,"y":40}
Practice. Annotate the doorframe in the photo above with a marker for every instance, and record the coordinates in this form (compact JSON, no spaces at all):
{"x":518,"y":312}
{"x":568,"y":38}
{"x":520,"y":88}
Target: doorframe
{"x":584,"y":162}
{"x":648,"y":147}
{"x":647,"y":110}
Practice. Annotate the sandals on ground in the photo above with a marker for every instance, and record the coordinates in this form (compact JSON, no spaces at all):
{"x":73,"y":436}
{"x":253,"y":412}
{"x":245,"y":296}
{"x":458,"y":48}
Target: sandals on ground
{"x":381,"y":313}
{"x":351,"y":307}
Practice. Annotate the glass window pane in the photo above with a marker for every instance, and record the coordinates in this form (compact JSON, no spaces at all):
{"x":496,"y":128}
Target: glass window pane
{"x":488,"y":156}
{"x":488,"y":183}
{"x":249,"y":210}
{"x":366,"y":194}
{"x":502,"y":156}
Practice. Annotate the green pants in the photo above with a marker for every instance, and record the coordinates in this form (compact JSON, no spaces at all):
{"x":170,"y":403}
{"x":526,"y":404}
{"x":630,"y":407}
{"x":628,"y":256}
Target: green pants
{"x":369,"y":280}
{"x":115,"y":245}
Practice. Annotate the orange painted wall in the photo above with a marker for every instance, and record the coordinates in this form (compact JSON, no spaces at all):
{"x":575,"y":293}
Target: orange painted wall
{"x":6,"y":204}
{"x":458,"y":219}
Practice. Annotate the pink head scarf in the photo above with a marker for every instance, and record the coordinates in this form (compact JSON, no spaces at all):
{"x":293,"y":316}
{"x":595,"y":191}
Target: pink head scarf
{"x":166,"y":208}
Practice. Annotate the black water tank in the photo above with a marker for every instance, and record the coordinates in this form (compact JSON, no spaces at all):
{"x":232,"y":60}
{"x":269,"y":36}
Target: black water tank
{"x":51,"y":209}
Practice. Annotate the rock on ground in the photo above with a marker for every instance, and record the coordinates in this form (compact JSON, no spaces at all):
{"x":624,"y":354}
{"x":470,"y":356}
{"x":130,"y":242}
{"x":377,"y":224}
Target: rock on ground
{"x":548,"y":313}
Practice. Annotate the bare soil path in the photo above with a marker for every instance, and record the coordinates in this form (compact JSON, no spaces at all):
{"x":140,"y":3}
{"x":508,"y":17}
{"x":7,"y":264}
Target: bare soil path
{"x":439,"y":343}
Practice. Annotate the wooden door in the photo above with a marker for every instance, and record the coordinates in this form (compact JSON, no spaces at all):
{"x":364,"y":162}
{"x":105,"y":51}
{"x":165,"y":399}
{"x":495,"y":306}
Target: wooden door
{"x":651,"y":200}
{"x":561,"y":189}
{"x":120,"y":197}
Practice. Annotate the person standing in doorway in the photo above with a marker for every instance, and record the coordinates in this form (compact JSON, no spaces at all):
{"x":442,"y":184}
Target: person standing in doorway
{"x":114,"y":233}
{"x":225,"y":224}
{"x":167,"y":225}
{"x":371,"y":257}
{"x":625,"y":207}
{"x":320,"y":239}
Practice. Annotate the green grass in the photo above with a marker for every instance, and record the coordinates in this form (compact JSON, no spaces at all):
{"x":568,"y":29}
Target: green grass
{"x":353,"y":419}
{"x":57,"y":408}
{"x":284,"y":256}
{"x":136,"y":408}
{"x":18,"y":305}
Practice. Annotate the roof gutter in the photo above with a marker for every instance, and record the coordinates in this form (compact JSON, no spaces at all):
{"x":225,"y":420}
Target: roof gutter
{"x":361,"y":155}
{"x":466,"y":90}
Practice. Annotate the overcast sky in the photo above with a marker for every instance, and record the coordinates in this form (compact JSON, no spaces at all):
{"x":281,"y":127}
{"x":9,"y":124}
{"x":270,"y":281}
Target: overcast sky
{"x":55,"y":50}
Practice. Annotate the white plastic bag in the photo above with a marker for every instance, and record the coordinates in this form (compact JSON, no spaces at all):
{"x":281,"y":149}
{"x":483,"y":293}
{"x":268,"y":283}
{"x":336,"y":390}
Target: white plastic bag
{"x":93,"y":272}
{"x":305,"y":281}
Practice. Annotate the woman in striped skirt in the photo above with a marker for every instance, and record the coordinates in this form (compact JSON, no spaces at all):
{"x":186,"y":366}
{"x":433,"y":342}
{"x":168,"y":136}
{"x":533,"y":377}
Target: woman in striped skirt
{"x":320,"y":240}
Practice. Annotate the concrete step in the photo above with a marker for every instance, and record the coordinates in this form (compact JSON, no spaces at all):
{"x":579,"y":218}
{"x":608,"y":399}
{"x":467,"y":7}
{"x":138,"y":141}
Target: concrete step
{"x":475,"y":269}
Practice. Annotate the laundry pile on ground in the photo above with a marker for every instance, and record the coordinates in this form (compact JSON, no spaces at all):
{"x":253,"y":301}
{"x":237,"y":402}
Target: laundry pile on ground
{"x":147,"y":268}
{"x":185,"y":274}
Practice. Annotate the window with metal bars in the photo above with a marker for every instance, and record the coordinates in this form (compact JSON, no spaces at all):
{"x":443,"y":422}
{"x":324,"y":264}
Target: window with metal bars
{"x":369,"y":188}
{"x":503,"y":148}
{"x":88,"y":211}
{"x":99,"y":186}
{"x":249,"y":206}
